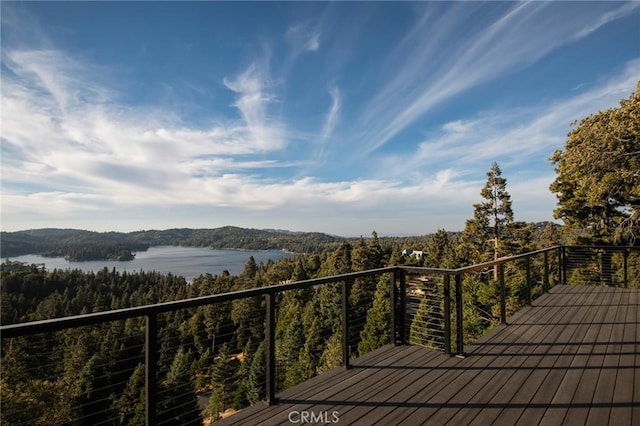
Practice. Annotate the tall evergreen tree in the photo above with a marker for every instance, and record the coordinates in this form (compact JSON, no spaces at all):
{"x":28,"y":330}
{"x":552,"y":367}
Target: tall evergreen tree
{"x":439,"y":250}
{"x":376,"y":330}
{"x":257,"y":376}
{"x":178,"y":404}
{"x":491,"y":218}
{"x":224,"y":382}
{"x":289,"y":342}
{"x":361,"y":295}
{"x":130,"y":405}
{"x":250,"y":269}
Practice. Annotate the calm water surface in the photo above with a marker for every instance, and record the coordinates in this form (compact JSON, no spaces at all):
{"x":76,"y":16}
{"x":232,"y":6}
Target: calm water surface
{"x":189,"y":262}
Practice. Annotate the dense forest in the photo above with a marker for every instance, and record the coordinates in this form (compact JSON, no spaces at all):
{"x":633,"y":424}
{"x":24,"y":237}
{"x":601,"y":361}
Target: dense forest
{"x":211,"y":359}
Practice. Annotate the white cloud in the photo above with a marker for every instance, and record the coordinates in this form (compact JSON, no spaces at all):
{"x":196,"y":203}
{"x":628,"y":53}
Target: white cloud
{"x":313,"y":42}
{"x":521,"y":135}
{"x":332,"y":116}
{"x":253,"y":99}
{"x":457,"y":126}
{"x":625,"y":9}
{"x":78,"y":156}
{"x":67,"y":142}
{"x":303,"y":38}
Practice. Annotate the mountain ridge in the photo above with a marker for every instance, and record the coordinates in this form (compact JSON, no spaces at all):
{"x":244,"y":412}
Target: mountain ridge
{"x":73,"y":242}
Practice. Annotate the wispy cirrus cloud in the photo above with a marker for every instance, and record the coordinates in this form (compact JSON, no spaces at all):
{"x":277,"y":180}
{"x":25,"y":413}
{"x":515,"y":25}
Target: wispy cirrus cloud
{"x":521,"y":140}
{"x":517,"y":136}
{"x":252,"y":88}
{"x":516,"y":38}
{"x":332,"y":116}
{"x":303,"y":37}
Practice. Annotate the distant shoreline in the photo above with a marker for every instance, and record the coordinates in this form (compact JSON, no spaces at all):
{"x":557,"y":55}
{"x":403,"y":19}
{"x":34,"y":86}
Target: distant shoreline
{"x":189,"y":262}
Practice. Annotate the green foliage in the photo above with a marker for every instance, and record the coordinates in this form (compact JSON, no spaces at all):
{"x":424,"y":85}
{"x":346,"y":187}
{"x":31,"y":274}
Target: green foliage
{"x":177,"y":403}
{"x":224,"y":382}
{"x":332,"y":355}
{"x":257,"y":376}
{"x":376,"y":331}
{"x":597,"y":183}
{"x":483,"y":237}
{"x":290,"y":340}
{"x":427,"y":325}
{"x":130,"y":405}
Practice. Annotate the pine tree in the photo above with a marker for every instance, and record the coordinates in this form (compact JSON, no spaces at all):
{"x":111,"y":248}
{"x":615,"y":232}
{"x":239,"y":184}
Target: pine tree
{"x":289,"y":339}
{"x":597,"y":183}
{"x":130,"y":405}
{"x":314,"y":337}
{"x":439,"y":250}
{"x":250,"y":269}
{"x":302,"y":369}
{"x":257,"y":376}
{"x":376,"y":330}
{"x":362,"y":290}
{"x":178,"y":404}
{"x":224,"y":382}
{"x":332,"y":355}
{"x":427,"y":324}
{"x":491,"y":219}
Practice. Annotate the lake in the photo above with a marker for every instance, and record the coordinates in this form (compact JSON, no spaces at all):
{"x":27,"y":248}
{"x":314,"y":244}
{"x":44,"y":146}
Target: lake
{"x":189,"y":262}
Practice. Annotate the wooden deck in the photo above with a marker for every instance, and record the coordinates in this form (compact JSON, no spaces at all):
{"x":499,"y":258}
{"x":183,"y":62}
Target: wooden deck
{"x":571,"y":359}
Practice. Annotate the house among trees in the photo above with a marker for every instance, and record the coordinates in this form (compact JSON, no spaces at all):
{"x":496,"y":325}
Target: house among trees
{"x":414,"y":253}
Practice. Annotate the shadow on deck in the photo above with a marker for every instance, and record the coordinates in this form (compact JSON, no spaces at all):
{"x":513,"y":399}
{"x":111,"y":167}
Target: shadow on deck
{"x":572,"y":358}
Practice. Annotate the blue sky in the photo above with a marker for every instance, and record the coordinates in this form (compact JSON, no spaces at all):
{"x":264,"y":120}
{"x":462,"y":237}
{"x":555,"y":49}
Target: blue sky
{"x":334,"y":117}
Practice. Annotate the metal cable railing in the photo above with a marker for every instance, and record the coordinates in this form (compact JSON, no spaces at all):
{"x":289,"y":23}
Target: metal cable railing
{"x":602,"y":265}
{"x":424,"y":310}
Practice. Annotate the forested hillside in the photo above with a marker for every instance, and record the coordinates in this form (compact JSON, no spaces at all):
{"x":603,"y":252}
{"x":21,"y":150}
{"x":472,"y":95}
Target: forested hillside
{"x":87,"y":245}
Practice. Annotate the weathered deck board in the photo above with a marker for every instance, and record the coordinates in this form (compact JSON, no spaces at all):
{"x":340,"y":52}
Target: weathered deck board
{"x":532,"y":356}
{"x":543,"y":360}
{"x":574,"y":387}
{"x":572,"y":358}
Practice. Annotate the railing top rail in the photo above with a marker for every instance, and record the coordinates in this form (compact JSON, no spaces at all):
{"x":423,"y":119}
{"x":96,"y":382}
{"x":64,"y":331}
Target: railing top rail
{"x":428,"y":270}
{"x":55,"y":324}
{"x":485,"y":265}
{"x":605,"y":247}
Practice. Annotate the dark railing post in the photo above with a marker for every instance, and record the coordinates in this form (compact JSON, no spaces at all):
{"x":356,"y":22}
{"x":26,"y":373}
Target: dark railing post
{"x":503,"y":294}
{"x":545,"y":283}
{"x":393,"y":302}
{"x":346,"y":288}
{"x":562,"y":259}
{"x":270,"y":355}
{"x":625,"y":255}
{"x":459,"y":322}
{"x":150,"y":369}
{"x":402,"y":310}
{"x":398,"y":307}
{"x":528,"y":278}
{"x":447,"y":314}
